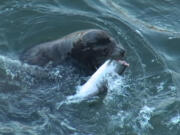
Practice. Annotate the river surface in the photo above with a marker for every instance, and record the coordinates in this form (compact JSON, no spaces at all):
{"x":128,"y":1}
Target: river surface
{"x":144,"y":101}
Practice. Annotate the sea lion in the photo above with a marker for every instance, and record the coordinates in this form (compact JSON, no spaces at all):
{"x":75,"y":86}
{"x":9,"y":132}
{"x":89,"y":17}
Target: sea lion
{"x":90,"y":47}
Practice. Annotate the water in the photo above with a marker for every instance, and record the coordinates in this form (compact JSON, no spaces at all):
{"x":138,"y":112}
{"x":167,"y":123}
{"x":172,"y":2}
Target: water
{"x":145,"y":101}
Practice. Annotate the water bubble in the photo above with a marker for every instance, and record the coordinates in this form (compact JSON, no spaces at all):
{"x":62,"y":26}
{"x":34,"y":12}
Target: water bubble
{"x":171,"y":37}
{"x":175,"y":120}
{"x":160,"y":87}
{"x":152,"y":60}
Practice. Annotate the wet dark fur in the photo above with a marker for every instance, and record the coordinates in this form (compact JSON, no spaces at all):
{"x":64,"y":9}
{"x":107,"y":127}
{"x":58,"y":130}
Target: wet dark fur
{"x":90,"y":47}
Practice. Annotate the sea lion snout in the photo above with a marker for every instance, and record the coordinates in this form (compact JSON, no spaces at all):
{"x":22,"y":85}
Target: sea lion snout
{"x":118,"y":53}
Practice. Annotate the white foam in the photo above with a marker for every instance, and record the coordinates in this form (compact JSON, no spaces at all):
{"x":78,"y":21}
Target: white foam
{"x":144,"y":117}
{"x":175,"y":120}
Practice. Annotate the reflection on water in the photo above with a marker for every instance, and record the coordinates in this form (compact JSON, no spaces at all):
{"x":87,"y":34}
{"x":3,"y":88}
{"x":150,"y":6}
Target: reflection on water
{"x":144,"y":101}
{"x":156,"y":15}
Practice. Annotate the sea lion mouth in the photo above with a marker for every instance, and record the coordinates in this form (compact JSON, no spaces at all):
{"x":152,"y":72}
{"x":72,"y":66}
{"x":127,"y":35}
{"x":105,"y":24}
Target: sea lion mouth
{"x":121,"y":66}
{"x":123,"y":62}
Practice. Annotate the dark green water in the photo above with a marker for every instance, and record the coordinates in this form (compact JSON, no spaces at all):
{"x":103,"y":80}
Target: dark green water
{"x":145,"y":101}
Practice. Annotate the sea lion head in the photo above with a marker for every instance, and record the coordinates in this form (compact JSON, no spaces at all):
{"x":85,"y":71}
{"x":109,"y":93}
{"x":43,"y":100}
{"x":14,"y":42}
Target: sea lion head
{"x":94,"y":47}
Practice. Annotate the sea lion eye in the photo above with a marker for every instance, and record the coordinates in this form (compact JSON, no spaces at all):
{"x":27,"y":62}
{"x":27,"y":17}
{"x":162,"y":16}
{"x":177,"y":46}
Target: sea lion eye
{"x":104,"y":40}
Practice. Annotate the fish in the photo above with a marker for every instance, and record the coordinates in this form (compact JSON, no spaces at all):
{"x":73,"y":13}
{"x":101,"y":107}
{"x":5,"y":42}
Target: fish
{"x":97,"y":83}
